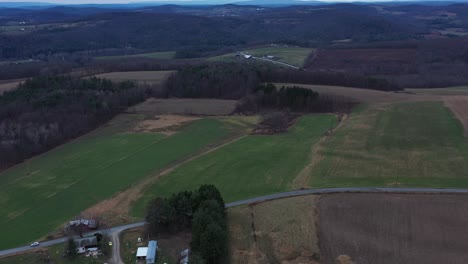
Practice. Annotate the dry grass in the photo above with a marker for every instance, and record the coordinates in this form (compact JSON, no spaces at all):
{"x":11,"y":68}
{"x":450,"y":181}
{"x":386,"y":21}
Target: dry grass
{"x":367,"y":95}
{"x":164,"y":124}
{"x":302,"y":180}
{"x":456,"y":90}
{"x":8,"y":86}
{"x":280,"y":231}
{"x":186,"y":106}
{"x":142,"y":77}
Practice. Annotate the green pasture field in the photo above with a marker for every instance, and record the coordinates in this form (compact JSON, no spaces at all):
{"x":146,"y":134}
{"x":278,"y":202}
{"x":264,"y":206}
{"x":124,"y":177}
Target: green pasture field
{"x":406,"y":144}
{"x":291,"y":55}
{"x":252,"y":166}
{"x":154,"y":55}
{"x":41,"y":194}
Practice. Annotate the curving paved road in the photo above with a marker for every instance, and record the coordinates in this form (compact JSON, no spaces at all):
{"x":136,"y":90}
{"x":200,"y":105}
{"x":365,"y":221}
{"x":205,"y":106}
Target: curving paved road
{"x":112,"y":232}
{"x":115,"y":231}
{"x":272,"y":61}
{"x":277,"y":62}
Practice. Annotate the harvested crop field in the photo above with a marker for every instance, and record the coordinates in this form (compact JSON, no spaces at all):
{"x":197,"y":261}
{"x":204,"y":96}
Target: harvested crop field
{"x":167,"y":55}
{"x":142,"y":77}
{"x":8,"y":86}
{"x":163,"y":123}
{"x":459,"y":106}
{"x":456,"y":90}
{"x":274,"y":232}
{"x":336,"y":58}
{"x":186,"y":106}
{"x":366,"y":95}
{"x":391,"y":228}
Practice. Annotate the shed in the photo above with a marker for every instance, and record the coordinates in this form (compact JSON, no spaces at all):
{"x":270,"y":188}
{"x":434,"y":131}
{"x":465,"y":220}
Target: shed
{"x":141,"y":252}
{"x":151,"y":253}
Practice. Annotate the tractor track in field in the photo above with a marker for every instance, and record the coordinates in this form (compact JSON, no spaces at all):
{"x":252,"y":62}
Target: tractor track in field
{"x":302,"y":179}
{"x":118,"y":206}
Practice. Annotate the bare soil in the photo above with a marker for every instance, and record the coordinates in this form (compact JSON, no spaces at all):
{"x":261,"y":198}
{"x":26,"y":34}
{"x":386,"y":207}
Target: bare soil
{"x":459,"y":106}
{"x":164,"y":123}
{"x":8,"y":86}
{"x":360,"y":95}
{"x":351,"y":57}
{"x":211,"y":107}
{"x":142,"y":77}
{"x":393,"y":228}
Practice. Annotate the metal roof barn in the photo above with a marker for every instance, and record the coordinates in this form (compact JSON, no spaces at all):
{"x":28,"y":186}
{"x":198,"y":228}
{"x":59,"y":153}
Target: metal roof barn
{"x":151,"y":254}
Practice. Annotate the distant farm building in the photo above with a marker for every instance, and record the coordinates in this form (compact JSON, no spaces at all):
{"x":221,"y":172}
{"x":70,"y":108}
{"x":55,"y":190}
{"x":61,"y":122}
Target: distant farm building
{"x":242,"y":54}
{"x":90,"y":223}
{"x":148,"y":253}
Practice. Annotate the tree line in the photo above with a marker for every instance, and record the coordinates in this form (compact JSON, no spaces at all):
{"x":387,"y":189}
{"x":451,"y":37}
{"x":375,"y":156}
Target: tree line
{"x":214,"y":80}
{"x":46,"y":111}
{"x":203,"y":212}
{"x":292,"y":98}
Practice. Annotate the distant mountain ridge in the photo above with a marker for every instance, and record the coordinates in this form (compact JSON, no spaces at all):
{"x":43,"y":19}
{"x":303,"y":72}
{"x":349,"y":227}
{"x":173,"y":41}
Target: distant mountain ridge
{"x":42,"y":5}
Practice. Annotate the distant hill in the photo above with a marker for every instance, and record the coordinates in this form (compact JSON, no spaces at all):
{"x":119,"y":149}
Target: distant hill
{"x":203,"y":28}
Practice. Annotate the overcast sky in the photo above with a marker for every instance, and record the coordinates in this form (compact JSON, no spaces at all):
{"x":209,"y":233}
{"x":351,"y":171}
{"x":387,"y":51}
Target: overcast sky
{"x":137,"y":1}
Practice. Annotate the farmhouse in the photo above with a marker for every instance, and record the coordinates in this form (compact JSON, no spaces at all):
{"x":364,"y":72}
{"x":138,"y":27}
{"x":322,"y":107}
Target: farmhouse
{"x":148,"y":253}
{"x":86,"y":244}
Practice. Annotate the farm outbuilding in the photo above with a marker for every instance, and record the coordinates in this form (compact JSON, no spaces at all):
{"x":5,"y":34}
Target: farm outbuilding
{"x":142,"y":252}
{"x":148,"y":253}
{"x":151,"y":253}
{"x":90,"y":223}
{"x":86,"y":244}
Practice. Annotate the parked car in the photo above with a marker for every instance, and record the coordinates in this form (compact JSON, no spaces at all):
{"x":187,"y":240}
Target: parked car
{"x":35,"y":244}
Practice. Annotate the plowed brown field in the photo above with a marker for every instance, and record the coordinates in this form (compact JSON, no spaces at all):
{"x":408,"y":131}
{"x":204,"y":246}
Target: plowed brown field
{"x":8,"y":86}
{"x":390,"y":228}
{"x":367,"y":95}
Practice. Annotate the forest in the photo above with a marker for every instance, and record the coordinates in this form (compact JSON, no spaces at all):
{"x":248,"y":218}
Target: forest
{"x":45,"y":111}
{"x":124,"y":31}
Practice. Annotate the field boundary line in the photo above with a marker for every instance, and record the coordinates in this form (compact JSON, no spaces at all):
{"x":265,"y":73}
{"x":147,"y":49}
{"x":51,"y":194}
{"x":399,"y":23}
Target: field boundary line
{"x":302,"y":179}
{"x":383,"y":190}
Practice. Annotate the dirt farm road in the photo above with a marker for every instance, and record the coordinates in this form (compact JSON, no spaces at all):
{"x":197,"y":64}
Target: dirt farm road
{"x":114,"y":232}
